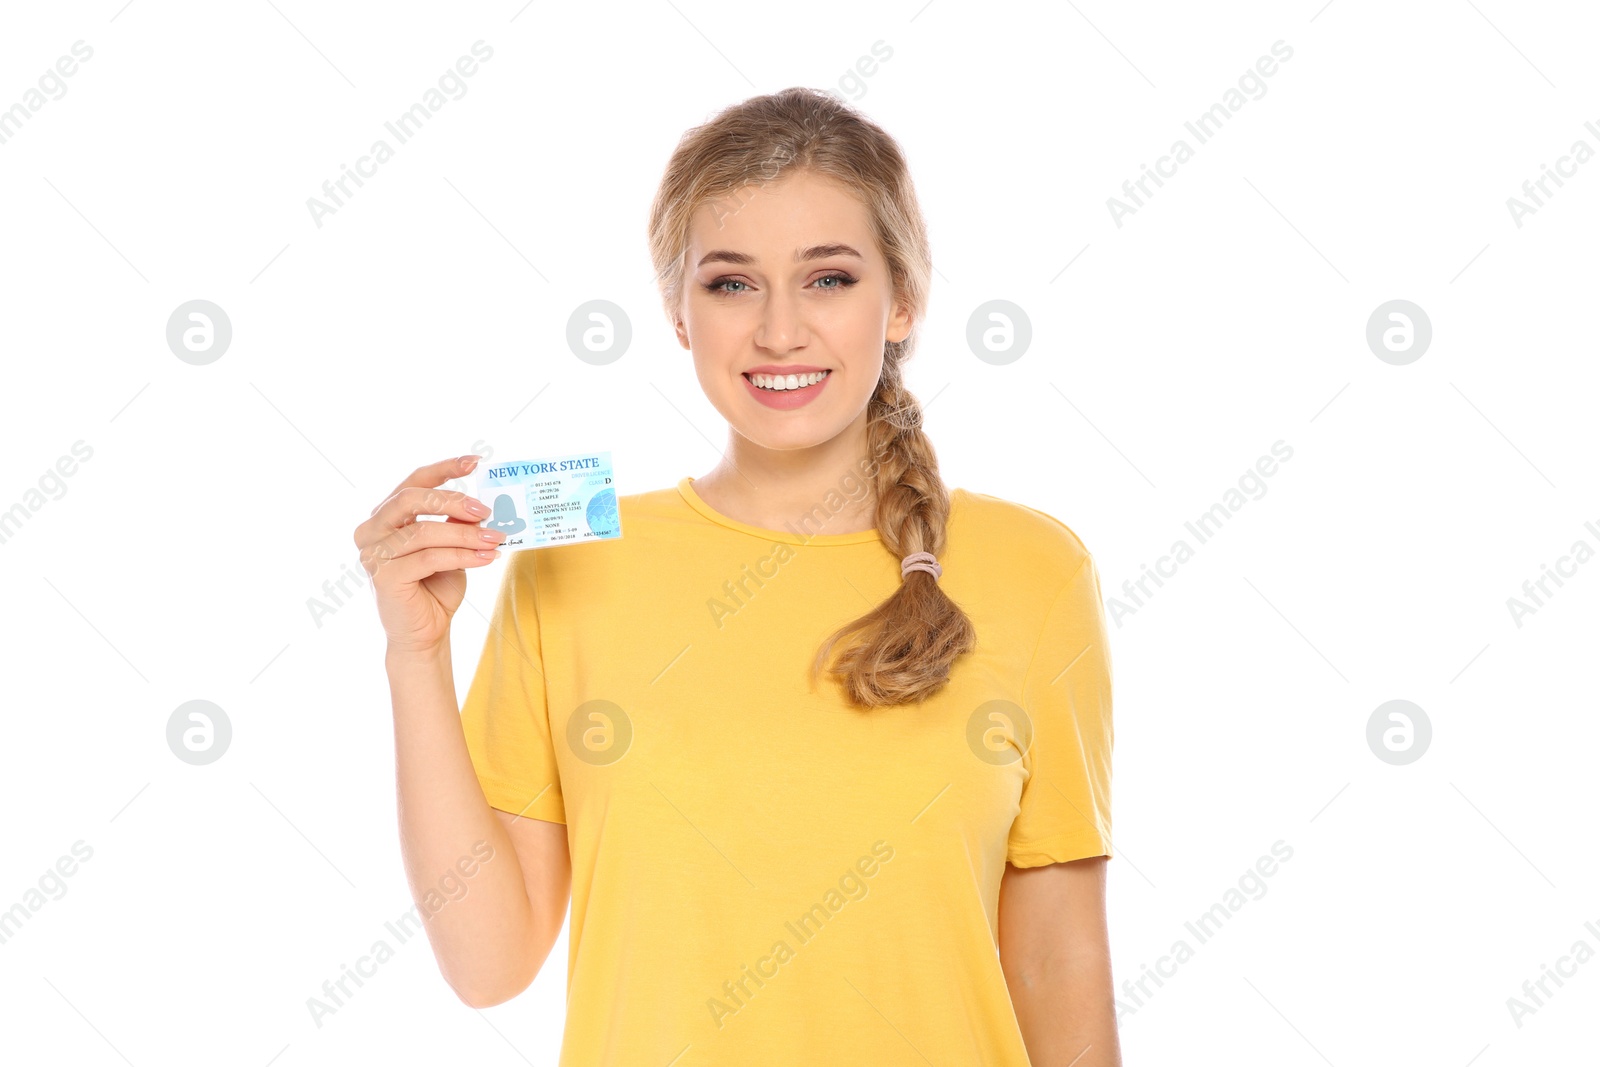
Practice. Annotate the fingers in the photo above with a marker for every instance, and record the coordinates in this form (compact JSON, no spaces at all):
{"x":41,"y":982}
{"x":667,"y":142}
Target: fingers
{"x":419,"y":495}
{"x":413,"y":500}
{"x":422,"y":538}
{"x":434,"y":474}
{"x":417,"y":565}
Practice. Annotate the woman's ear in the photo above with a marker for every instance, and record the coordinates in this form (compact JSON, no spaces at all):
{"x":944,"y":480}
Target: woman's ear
{"x":683,"y":333}
{"x":899,"y":327}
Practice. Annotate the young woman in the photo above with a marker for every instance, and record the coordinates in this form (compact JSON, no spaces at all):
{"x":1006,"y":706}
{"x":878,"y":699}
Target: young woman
{"x":820,"y":748}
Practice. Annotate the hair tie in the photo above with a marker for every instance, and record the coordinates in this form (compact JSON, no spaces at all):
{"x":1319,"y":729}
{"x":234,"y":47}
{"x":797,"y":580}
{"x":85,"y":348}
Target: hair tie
{"x":920,"y":561}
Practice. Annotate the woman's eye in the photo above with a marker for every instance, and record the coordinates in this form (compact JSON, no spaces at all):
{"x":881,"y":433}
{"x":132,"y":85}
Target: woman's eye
{"x":840,"y":280}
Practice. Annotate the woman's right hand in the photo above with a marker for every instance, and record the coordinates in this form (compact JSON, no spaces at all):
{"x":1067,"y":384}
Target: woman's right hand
{"x":417,"y":567}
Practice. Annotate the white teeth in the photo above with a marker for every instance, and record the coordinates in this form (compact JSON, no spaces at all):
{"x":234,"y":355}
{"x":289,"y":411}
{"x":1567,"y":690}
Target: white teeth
{"x":792,"y":381}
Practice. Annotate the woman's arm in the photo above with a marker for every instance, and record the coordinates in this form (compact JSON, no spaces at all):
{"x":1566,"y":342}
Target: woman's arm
{"x":492,"y":939}
{"x":1056,"y":955}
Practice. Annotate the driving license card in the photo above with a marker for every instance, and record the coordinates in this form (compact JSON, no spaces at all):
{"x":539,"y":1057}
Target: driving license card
{"x":558,"y":501}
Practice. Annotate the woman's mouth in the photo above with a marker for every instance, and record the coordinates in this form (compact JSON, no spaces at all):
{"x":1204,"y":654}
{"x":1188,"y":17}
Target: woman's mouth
{"x":785,"y":382}
{"x":786,"y":390}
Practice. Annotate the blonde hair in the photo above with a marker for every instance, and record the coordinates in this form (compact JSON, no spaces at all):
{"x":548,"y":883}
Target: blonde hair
{"x":901,"y":651}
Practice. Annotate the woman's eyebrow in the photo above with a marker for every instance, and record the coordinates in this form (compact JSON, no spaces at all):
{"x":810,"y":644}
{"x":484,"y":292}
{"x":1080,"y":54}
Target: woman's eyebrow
{"x":801,"y":255}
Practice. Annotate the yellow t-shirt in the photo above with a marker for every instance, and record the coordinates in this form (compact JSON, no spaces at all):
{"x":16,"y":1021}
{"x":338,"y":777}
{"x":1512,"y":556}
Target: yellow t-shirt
{"x":762,"y":873}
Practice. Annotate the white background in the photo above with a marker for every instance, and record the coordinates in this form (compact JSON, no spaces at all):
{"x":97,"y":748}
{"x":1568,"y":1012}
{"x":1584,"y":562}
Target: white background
{"x":427,"y":318}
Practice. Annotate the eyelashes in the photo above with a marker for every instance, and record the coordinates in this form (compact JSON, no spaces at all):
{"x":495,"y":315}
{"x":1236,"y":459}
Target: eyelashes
{"x":843,"y":279}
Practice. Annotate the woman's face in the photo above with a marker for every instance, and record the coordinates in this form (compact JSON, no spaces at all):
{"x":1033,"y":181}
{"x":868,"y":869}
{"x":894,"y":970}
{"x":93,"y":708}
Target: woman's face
{"x":786,"y":278}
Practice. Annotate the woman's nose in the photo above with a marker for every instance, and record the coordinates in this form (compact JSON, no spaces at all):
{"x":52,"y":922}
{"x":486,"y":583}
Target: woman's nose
{"x":781,"y":327}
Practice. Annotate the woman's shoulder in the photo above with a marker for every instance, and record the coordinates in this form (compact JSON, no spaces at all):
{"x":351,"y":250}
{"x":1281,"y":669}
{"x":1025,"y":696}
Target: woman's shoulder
{"x":1016,"y":528}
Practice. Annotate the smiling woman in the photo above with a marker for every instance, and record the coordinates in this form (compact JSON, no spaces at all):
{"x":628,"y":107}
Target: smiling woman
{"x":699,"y":750}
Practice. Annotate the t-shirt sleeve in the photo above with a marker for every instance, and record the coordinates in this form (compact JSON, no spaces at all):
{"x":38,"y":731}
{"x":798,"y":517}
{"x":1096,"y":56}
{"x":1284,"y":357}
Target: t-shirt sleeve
{"x":1065,"y":808}
{"x":505,"y":715}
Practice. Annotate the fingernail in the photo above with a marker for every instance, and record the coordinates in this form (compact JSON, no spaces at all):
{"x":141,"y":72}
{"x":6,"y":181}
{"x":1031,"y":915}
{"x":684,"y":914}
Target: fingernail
{"x":468,"y":462}
{"x":477,"y":507}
